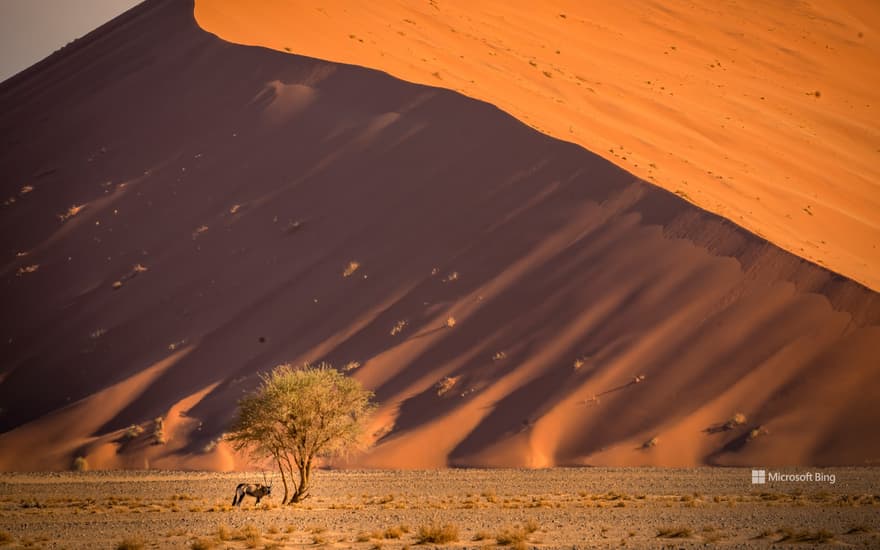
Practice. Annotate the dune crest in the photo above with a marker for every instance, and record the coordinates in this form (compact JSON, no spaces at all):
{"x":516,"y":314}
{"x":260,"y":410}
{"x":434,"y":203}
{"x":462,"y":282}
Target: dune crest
{"x":512,"y":299}
{"x":767,"y":115}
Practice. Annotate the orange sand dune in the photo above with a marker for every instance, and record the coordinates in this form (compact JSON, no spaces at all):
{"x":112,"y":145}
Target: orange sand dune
{"x":767,"y":113}
{"x":180,"y":212}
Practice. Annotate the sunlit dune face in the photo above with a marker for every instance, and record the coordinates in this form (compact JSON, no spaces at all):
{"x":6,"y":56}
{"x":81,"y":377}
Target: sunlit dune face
{"x":766,"y":114}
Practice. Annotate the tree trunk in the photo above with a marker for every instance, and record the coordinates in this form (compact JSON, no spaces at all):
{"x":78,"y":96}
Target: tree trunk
{"x":283,"y":478}
{"x":302,"y":488}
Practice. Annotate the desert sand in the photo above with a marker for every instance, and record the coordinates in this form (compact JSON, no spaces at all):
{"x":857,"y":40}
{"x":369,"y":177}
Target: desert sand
{"x":767,"y":114}
{"x":181,"y":214}
{"x":546,"y":509}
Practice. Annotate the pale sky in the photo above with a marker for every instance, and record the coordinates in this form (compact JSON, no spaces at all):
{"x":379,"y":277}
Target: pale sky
{"x":30,"y":30}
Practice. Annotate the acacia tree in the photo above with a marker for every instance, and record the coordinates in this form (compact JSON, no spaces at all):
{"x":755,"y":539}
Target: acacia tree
{"x":298,"y":416}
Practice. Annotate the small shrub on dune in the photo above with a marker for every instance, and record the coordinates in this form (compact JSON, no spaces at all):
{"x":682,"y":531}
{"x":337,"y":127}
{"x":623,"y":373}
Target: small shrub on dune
{"x":131,"y":543}
{"x":80,"y":464}
{"x":651,"y":443}
{"x":735,"y":421}
{"x":436,"y":533}
{"x":351,"y":268}
{"x":445,"y":385}
{"x":133,"y":431}
{"x":159,"y":431}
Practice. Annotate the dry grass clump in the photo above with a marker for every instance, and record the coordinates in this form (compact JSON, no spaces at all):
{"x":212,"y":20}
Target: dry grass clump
{"x":398,"y":328}
{"x":436,"y":533}
{"x":651,"y":443}
{"x":351,"y":365}
{"x":675,"y":532}
{"x":71,"y":212}
{"x":80,"y":464}
{"x":735,"y":421}
{"x":27,"y":269}
{"x":159,"y":431}
{"x":202,"y":544}
{"x":755,"y":433}
{"x":351,"y":268}
{"x":516,"y":535}
{"x":131,"y":543}
{"x":445,"y":385}
{"x":451,"y":277}
{"x":791,"y":535}
{"x":499,"y":356}
{"x":450,"y":322}
{"x":133,"y":431}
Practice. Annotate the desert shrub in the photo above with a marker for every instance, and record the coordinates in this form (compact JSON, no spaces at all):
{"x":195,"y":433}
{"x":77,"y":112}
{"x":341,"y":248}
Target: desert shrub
{"x":820,"y":537}
{"x":133,"y":431}
{"x":735,"y":421}
{"x":445,"y":385}
{"x":350,"y":269}
{"x":131,"y":543}
{"x":650,"y":443}
{"x":159,"y":431}
{"x":224,"y":532}
{"x":436,"y":533}
{"x":675,"y":532}
{"x":80,"y":464}
{"x":202,"y":544}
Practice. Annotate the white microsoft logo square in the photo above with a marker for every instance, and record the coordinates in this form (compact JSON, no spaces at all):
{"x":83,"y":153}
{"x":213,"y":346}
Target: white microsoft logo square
{"x":759,"y":477}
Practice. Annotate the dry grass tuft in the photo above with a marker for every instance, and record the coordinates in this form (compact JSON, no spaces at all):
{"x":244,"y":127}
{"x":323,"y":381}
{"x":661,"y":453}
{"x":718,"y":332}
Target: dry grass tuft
{"x":516,"y":535}
{"x":351,"y":365}
{"x":819,"y":537}
{"x":131,"y":543}
{"x":80,"y":464}
{"x":445,"y":385}
{"x":675,"y":533}
{"x":133,"y":431}
{"x":202,"y":544}
{"x":436,"y":533}
{"x":450,"y":322}
{"x":71,"y":212}
{"x":27,"y":269}
{"x":735,"y":421}
{"x":499,"y":356}
{"x":650,"y":443}
{"x":351,"y":268}
{"x":398,"y":328}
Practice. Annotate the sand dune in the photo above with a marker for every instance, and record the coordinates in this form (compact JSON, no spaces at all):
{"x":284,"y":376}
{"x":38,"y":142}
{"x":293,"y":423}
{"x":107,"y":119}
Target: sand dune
{"x":766,"y":114}
{"x":195,"y":204}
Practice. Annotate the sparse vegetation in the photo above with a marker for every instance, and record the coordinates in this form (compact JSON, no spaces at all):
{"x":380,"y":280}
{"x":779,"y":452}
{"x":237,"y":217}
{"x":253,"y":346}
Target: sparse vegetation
{"x":446,"y":384}
{"x":71,"y":212}
{"x":517,"y":534}
{"x":437,"y":533}
{"x":133,"y":431}
{"x":398,"y":328}
{"x":27,"y":269}
{"x":735,"y":421}
{"x":792,"y":535}
{"x":80,"y":464}
{"x":675,"y":533}
{"x":298,"y":416}
{"x":131,"y":543}
{"x":651,"y":443}
{"x":159,"y":431}
{"x":351,"y":365}
{"x":499,"y":356}
{"x":202,"y":544}
{"x":351,"y":268}
{"x":450,"y":322}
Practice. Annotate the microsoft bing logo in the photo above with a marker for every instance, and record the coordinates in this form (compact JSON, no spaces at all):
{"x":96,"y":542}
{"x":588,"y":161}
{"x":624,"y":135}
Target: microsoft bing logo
{"x":759,"y":477}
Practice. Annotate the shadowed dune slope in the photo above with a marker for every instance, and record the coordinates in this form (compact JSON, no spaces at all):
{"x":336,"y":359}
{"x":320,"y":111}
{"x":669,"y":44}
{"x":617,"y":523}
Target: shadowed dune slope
{"x":180,"y":211}
{"x":767,"y":113}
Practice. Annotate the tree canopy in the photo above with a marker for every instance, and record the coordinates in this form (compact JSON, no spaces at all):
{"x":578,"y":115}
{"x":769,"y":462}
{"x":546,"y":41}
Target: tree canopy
{"x":298,"y":416}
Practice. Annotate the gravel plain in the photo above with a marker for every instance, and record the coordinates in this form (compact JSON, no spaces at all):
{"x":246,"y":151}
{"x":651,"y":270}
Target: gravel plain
{"x":554,"y":508}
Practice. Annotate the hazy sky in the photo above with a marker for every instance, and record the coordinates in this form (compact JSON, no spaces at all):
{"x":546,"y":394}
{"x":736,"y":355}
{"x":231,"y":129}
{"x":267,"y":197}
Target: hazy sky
{"x":32,"y":29}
